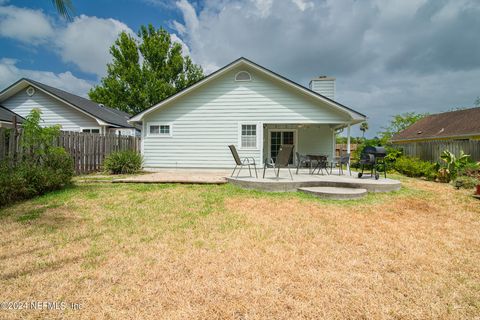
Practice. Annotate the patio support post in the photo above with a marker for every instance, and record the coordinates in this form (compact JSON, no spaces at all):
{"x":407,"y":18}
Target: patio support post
{"x":348,"y":144}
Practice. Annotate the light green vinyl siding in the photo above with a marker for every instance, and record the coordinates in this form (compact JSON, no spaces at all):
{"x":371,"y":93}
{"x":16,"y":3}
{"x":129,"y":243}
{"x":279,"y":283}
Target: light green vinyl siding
{"x":205,"y":121}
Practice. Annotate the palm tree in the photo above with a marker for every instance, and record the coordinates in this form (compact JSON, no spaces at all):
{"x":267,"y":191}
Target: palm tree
{"x":64,"y":8}
{"x":363,"y":128}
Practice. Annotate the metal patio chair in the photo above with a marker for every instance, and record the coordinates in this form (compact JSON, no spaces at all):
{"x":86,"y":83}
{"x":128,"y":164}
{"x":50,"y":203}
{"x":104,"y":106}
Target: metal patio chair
{"x":247,"y":162}
{"x":281,"y":161}
{"x":321,"y":163}
{"x":303,"y":160}
{"x":342,"y":160}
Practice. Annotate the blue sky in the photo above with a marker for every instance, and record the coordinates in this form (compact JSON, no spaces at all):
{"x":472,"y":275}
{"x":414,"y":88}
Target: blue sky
{"x":388,"y":56}
{"x":131,"y":12}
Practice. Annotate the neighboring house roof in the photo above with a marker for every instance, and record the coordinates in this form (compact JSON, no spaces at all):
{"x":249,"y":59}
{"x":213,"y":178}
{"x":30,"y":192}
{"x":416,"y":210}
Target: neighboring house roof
{"x":7,"y":115}
{"x":107,"y":115}
{"x":356,"y":116}
{"x":453,"y":124}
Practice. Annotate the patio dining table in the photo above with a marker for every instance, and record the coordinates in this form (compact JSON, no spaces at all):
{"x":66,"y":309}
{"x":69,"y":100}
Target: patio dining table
{"x":320,"y":160}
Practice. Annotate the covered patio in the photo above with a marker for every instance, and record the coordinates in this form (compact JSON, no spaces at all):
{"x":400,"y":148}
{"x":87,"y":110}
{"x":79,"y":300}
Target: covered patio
{"x":308,"y":139}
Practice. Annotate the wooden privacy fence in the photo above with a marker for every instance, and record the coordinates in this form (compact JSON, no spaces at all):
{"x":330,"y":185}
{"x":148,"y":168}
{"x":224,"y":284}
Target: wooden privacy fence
{"x":88,"y":150}
{"x":341,"y":148}
{"x":431,"y":150}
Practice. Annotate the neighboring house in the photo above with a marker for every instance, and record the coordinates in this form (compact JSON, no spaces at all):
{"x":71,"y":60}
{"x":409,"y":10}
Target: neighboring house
{"x":453,"y":125}
{"x":246,"y":105}
{"x":7,"y":118}
{"x":72,"y":112}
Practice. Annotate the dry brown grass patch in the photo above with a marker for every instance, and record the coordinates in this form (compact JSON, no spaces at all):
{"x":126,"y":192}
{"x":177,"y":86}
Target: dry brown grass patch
{"x":214,"y":252}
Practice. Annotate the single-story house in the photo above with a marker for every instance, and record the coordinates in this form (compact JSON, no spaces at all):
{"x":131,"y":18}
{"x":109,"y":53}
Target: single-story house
{"x":72,"y":112}
{"x":453,"y":125}
{"x":246,"y":105}
{"x":7,"y":118}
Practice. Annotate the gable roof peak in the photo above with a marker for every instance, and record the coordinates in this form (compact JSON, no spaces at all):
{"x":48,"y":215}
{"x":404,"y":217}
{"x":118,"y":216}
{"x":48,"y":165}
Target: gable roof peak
{"x":359,"y":116}
{"x":106,"y":114}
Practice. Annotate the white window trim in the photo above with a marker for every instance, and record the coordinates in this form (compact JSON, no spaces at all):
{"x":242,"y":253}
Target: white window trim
{"x":257,"y":126}
{"x":160,"y":135}
{"x":91,"y":128}
{"x":246,"y":80}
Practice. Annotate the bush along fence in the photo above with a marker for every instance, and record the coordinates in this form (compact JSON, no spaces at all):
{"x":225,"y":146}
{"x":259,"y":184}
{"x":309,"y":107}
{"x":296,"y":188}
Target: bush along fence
{"x":432,"y":150}
{"x":88,"y":150}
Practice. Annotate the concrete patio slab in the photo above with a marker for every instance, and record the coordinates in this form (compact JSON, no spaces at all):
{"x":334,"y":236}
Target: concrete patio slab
{"x":335,"y":193}
{"x":269,"y":183}
{"x":304,"y":180}
{"x":193,"y":176}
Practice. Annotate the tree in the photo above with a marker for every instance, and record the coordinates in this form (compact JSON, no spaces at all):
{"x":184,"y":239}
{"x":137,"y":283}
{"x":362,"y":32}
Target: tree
{"x":145,"y":71}
{"x":363,"y":128}
{"x":38,"y":138}
{"x":399,"y":123}
{"x":477,"y":102}
{"x":64,"y":8}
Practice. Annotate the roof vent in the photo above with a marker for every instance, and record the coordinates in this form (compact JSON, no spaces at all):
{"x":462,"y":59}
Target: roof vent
{"x":101,"y":105}
{"x":419,"y":132}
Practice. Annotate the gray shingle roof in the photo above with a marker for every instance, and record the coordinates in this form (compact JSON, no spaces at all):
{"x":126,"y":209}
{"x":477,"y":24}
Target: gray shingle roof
{"x":443,"y":125}
{"x":104,"y":113}
{"x":7,"y":115}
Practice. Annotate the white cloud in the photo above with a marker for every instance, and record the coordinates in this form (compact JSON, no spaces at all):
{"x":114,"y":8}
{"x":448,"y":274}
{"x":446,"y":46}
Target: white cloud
{"x":263,"y":7}
{"x":9,"y":73}
{"x":84,"y":42}
{"x":25,"y":25}
{"x":87,"y":40}
{"x":189,"y":15}
{"x":388,"y":56}
{"x":303,"y":4}
{"x":185,"y":49}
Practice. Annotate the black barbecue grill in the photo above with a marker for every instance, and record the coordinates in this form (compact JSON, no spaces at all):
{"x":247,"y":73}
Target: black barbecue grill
{"x":373,"y":157}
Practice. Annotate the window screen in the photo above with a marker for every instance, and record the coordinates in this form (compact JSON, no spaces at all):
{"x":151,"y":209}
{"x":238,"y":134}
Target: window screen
{"x":249,"y":136}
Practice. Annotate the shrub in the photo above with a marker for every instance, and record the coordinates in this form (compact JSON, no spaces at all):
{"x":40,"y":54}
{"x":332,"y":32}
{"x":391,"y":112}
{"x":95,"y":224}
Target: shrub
{"x":392,"y":155}
{"x":12,"y":184}
{"x":465,"y":182}
{"x":123,"y":162}
{"x":54,"y":172}
{"x":413,"y":167}
{"x":471,"y":169}
{"x":29,"y":179}
{"x":47,"y":168}
{"x":453,"y":164}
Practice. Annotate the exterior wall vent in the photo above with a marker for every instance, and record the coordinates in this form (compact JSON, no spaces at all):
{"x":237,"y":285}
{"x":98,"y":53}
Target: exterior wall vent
{"x":30,"y":91}
{"x":323,"y":85}
{"x":243,"y":76}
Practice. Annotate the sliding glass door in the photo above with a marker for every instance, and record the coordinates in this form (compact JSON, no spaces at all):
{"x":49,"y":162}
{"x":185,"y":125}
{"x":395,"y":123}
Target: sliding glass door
{"x":277,"y":138}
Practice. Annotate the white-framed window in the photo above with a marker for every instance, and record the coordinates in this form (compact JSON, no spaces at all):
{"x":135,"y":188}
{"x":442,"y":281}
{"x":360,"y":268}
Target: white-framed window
{"x":123,"y":131}
{"x":243,"y":76}
{"x":159,"y":129}
{"x":91,"y":130}
{"x":248,"y":135}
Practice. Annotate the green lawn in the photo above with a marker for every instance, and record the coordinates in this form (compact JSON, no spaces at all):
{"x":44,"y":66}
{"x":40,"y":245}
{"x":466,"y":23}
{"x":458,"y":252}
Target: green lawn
{"x":209,"y":251}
